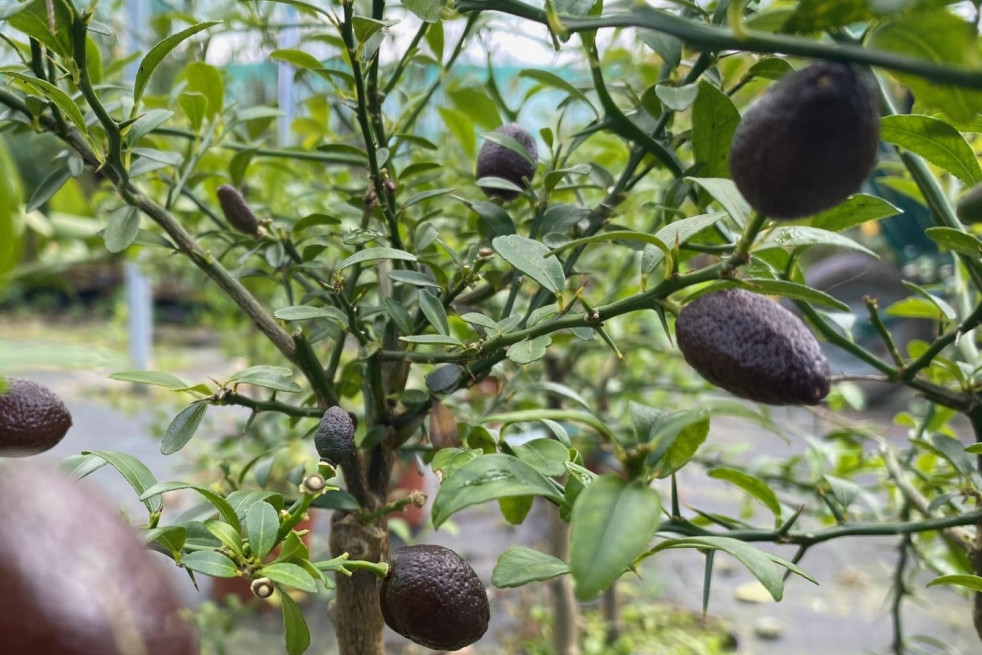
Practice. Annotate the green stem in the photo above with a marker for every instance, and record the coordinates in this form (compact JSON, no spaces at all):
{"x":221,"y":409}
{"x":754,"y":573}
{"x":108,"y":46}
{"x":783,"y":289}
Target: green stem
{"x":712,"y":38}
{"x":231,"y":398}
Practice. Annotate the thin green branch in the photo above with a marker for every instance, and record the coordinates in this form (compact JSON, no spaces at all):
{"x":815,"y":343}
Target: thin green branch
{"x":712,"y":38}
{"x":258,"y":406}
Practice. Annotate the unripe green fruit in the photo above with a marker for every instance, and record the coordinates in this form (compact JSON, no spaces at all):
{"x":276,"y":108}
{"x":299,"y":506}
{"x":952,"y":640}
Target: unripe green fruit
{"x":335,"y":436}
{"x":237,"y":211}
{"x":496,"y":160}
{"x":809,"y":142}
{"x":32,"y":418}
{"x":76,"y":578}
{"x":433,"y":597}
{"x":752,"y":347}
{"x":969,"y":207}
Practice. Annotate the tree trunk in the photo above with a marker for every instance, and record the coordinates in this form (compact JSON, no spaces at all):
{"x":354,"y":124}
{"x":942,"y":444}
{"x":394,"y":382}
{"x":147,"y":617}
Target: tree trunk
{"x":564,"y":628}
{"x":356,"y":615}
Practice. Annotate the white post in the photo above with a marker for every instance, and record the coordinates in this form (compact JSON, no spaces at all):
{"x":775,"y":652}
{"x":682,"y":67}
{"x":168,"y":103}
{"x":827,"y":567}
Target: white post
{"x":139,"y":295}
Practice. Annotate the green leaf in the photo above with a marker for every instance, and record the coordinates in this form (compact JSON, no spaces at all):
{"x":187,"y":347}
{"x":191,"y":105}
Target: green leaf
{"x":220,"y":503}
{"x":752,"y":485}
{"x":57,"y":97}
{"x":955,"y":240}
{"x":133,"y":471}
{"x":32,"y":19}
{"x":433,"y":311}
{"x":290,"y":575}
{"x":714,"y":118}
{"x":207,"y":80}
{"x":495,"y":217}
{"x":555,"y":81}
{"x":297,"y":58}
{"x":157,"y":54}
{"x":855,"y":210}
{"x":294,"y":626}
{"x":725,"y":193}
{"x":762,"y":565}
{"x":78,"y":466}
{"x":269,"y":377}
{"x":210,"y":562}
{"x":935,"y":36}
{"x":374,"y":254}
{"x":970,"y":582}
{"x":169,"y":537}
{"x":611,"y":523}
{"x":934,"y":140}
{"x":152,"y":378}
{"x":414,"y":278}
{"x":48,"y":187}
{"x":515,"y":508}
{"x":797,"y":292}
{"x":306,"y":312}
{"x":226,"y":534}
{"x":796,"y":236}
{"x":489,"y":477}
{"x":819,"y":15}
{"x":426,"y":10}
{"x":124,"y":223}
{"x":532,"y":258}
{"x":678,"y":233}
{"x":183,"y":427}
{"x":519,"y":566}
{"x":677,"y":98}
{"x":529,"y":350}
{"x":262,"y":524}
{"x":546,"y":456}
{"x":242,"y":499}
{"x":433,"y":340}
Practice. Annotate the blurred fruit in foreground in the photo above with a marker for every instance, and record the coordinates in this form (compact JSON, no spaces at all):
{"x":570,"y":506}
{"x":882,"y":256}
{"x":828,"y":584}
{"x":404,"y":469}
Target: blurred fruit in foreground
{"x":77,"y":580}
{"x":433,"y":597}
{"x":809,"y":142}
{"x":497,"y":160}
{"x":752,"y":347}
{"x":32,"y":418}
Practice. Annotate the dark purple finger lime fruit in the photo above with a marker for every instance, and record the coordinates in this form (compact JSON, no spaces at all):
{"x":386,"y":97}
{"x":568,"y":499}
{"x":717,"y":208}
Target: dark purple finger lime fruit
{"x":809,"y":142}
{"x":434,"y":598}
{"x":497,"y":160}
{"x":76,"y":578}
{"x":752,"y":347}
{"x":32,"y":418}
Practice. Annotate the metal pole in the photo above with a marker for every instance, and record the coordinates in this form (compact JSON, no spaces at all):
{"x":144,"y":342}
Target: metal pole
{"x":284,"y":82}
{"x":139,"y":295}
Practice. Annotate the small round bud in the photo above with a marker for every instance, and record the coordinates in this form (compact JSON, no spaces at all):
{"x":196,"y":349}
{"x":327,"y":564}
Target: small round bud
{"x":262,"y":587}
{"x":313,"y":485}
{"x":485,"y":253}
{"x":335,"y":436}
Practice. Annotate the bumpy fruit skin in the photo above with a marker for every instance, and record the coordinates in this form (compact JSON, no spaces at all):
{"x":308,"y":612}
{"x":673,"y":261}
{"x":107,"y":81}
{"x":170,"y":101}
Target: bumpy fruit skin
{"x":809,"y":142}
{"x":434,"y":598}
{"x":76,"y":578}
{"x":969,"y":207}
{"x":335,"y":436}
{"x":237,"y":211}
{"x":496,"y":160}
{"x":753,"y":348}
{"x":32,"y":418}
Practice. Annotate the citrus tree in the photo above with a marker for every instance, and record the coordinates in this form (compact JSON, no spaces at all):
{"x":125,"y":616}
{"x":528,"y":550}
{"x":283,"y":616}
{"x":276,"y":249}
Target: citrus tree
{"x":394,"y":303}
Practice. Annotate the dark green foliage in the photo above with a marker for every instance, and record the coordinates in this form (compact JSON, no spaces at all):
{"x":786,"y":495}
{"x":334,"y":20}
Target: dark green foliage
{"x":969,"y":207}
{"x":433,"y":597}
{"x":238,"y":212}
{"x":496,"y":160}
{"x":32,"y":418}
{"x":335,"y":436}
{"x":809,"y":142}
{"x":753,"y":348}
{"x":77,"y":579}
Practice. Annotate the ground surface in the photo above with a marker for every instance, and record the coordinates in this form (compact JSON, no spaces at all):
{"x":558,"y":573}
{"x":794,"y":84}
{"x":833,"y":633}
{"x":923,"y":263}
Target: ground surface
{"x":848,"y":613}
